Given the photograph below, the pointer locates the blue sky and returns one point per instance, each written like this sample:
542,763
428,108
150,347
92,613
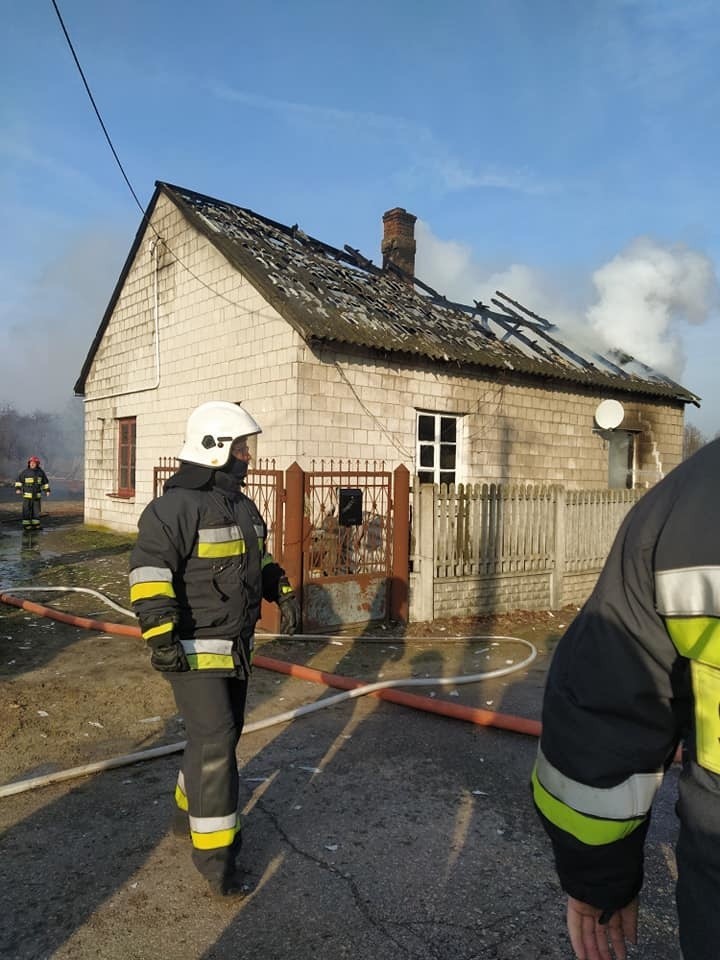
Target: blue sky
563,152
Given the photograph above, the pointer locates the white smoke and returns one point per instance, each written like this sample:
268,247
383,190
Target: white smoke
51,324
645,294
450,268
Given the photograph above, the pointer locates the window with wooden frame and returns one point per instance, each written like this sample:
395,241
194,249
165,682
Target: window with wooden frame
126,457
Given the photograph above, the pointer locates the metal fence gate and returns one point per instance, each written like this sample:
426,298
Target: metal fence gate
347,555
341,532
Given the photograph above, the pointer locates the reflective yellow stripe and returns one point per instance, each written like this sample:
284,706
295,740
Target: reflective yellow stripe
155,588
180,798
157,631
706,690
231,548
590,830
210,661
210,841
697,638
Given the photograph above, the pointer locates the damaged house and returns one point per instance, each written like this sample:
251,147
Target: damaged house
339,358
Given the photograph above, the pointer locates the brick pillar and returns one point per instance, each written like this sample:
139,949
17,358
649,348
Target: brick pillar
398,244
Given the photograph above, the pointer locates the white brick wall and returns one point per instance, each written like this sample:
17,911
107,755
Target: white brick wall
512,432
210,349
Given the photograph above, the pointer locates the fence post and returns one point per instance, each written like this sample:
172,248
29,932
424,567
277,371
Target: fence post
294,526
400,545
558,574
424,582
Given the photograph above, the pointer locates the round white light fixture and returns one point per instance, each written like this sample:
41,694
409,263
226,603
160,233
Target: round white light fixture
609,414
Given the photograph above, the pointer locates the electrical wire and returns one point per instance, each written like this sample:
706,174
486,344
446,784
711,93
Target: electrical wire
401,450
125,177
243,310
95,108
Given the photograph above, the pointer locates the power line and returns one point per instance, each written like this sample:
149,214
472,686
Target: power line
394,444
94,106
125,177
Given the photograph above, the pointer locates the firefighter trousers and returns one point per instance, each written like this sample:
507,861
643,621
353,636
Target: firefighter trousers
31,512
698,864
213,708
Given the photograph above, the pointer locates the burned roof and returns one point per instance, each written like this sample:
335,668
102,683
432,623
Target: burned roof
339,296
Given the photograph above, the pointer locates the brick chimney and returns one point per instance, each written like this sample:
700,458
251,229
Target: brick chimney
398,243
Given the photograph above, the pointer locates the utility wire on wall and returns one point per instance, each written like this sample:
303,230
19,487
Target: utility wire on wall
400,449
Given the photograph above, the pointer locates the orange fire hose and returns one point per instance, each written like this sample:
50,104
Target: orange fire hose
487,718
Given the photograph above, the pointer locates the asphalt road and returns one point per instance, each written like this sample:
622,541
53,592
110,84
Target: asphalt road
371,831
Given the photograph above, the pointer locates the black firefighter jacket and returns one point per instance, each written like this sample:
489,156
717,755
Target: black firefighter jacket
32,482
637,672
199,570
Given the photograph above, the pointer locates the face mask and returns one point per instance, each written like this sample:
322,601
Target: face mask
236,468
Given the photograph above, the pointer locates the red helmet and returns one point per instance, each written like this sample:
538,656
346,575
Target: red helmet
34,460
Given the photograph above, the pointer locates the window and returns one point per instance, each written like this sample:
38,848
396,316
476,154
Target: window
621,460
126,457
437,448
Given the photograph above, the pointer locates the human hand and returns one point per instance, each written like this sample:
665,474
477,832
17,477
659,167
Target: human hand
290,612
289,615
592,940
169,658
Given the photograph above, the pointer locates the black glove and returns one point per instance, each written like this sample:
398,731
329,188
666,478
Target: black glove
289,608
169,657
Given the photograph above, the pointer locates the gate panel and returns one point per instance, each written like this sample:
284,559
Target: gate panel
265,487
347,555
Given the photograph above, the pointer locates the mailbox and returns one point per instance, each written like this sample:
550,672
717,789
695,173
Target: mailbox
350,511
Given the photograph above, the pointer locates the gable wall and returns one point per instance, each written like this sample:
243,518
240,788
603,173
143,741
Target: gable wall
512,432
235,349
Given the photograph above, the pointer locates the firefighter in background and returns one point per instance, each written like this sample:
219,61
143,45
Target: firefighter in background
637,673
32,483
198,573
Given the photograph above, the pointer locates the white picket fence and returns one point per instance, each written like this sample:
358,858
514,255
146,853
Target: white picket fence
507,532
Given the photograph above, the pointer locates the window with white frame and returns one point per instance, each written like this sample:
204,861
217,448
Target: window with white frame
437,448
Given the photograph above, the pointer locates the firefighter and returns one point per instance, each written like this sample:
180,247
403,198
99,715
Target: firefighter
198,573
637,673
32,483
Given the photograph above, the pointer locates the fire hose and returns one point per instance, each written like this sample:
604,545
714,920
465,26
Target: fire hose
352,689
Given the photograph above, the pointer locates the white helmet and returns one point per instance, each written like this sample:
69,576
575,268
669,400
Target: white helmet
211,429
